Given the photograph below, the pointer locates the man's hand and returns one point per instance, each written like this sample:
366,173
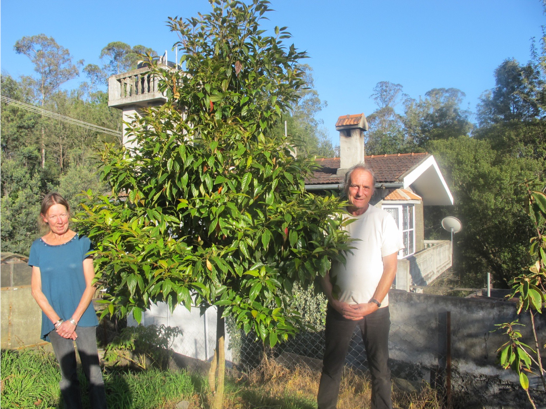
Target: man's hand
353,312
356,312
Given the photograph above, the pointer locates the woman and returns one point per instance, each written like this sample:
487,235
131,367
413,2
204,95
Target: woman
62,276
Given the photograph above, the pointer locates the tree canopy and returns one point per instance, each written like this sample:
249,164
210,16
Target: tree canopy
209,207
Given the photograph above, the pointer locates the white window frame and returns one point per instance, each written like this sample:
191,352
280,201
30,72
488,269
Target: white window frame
399,207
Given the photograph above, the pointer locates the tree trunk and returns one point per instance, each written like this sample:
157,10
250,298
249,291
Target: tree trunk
218,366
42,141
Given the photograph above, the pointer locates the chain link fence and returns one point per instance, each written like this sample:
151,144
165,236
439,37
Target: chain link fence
448,343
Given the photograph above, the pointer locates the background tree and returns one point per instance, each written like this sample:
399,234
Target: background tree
511,115
304,130
437,116
70,168
121,57
53,65
214,212
21,181
486,188
386,127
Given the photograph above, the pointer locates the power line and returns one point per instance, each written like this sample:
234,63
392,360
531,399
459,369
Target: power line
60,117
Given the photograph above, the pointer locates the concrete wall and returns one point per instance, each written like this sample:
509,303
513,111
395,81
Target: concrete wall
418,331
199,331
21,316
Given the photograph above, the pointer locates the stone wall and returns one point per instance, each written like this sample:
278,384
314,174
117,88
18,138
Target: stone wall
21,316
419,332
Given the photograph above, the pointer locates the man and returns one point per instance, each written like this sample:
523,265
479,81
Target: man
358,292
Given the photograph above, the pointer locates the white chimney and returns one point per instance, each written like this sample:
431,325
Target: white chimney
351,141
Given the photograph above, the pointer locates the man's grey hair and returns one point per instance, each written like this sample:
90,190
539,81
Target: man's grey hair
363,166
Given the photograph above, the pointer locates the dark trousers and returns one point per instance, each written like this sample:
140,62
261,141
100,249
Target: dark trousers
375,334
89,357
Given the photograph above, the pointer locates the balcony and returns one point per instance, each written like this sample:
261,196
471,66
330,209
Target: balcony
134,88
424,267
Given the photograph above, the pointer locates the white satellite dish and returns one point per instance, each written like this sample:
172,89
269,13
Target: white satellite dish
452,224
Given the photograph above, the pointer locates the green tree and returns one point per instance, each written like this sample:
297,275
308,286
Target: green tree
19,126
511,115
53,66
21,184
530,291
122,57
207,209
513,97
386,127
485,185
303,129
437,116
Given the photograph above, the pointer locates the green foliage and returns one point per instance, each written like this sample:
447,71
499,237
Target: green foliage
122,57
515,354
147,343
70,166
529,288
206,210
514,96
304,131
437,116
312,305
386,134
488,198
20,204
52,63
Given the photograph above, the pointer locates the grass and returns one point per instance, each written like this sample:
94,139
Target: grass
30,380
272,386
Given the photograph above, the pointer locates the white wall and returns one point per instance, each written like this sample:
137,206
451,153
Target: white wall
199,331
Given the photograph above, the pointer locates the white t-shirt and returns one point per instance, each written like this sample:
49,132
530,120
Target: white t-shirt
377,236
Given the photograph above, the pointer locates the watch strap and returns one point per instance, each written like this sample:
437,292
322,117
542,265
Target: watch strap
376,302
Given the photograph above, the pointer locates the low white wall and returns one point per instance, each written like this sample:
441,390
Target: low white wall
199,331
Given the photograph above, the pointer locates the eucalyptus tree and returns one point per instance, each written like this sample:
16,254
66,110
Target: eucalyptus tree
386,127
53,65
436,116
205,209
303,129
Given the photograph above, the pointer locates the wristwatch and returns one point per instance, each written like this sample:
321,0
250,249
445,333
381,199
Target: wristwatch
376,302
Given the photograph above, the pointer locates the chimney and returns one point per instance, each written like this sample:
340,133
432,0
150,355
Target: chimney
351,141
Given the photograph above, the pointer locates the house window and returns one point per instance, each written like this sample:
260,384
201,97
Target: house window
404,216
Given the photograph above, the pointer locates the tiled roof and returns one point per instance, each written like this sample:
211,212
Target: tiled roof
402,194
349,120
387,168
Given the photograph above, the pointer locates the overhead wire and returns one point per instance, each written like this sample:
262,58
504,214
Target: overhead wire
60,117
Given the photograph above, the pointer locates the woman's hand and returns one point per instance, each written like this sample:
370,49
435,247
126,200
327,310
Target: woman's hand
67,330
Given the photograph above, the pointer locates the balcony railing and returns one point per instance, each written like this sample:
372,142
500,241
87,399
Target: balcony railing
425,266
138,87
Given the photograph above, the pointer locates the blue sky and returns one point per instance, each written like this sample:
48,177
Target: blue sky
352,44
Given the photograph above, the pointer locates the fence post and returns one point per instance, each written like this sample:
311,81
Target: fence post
448,359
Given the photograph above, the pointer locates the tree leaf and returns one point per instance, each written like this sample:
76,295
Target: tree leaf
524,381
246,181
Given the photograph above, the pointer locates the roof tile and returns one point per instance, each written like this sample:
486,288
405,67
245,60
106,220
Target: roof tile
402,194
349,120
387,168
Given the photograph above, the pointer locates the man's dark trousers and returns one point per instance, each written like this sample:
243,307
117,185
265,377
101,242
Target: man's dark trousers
375,334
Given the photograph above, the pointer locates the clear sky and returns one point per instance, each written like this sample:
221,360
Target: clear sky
352,44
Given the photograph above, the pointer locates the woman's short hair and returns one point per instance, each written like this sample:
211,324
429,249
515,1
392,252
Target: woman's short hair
51,199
